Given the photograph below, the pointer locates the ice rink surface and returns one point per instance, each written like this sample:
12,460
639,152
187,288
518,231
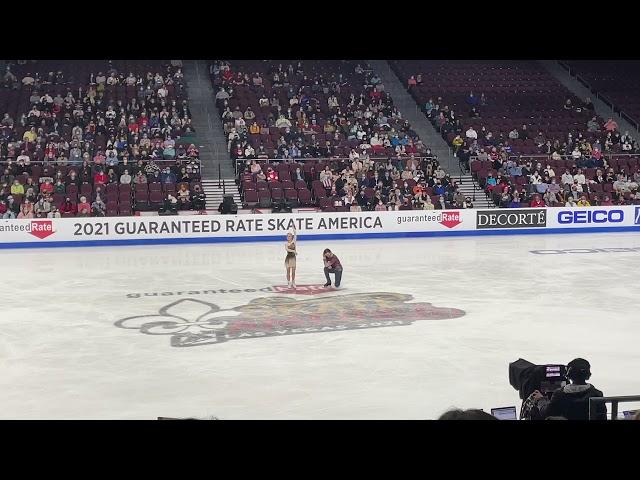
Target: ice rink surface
419,326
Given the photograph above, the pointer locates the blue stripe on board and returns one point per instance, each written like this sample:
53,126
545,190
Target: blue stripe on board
330,236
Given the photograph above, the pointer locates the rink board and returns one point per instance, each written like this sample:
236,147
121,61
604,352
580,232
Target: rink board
113,231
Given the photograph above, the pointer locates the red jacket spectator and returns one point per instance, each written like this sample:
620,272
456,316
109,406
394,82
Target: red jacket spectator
537,202
84,206
272,175
68,207
143,120
51,150
100,178
46,187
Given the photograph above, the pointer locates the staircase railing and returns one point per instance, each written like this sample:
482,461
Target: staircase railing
221,183
418,157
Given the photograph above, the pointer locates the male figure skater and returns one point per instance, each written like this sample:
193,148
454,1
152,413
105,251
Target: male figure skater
331,265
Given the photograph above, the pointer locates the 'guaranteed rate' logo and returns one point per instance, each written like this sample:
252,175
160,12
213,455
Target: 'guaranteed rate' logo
191,322
41,228
450,219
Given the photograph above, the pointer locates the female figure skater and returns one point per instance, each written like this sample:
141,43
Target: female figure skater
290,259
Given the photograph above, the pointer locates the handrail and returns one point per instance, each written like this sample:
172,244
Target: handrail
567,67
54,163
630,120
319,159
600,96
593,401
607,156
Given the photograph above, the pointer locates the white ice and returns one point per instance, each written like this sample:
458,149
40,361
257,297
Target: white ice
61,356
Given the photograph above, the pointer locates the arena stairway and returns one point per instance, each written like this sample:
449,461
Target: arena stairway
411,111
215,190
470,188
217,166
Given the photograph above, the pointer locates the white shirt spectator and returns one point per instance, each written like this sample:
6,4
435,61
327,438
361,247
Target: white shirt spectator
580,178
240,124
472,134
567,178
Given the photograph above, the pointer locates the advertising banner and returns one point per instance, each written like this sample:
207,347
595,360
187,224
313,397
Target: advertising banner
311,225
231,227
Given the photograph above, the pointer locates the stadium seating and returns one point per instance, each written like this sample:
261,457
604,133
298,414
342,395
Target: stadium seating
307,115
60,117
616,82
508,95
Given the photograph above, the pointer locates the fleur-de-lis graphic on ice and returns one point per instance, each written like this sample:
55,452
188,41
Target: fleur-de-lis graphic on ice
186,318
192,322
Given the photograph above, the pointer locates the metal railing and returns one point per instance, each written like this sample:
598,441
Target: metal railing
384,159
221,182
615,401
542,156
69,165
600,96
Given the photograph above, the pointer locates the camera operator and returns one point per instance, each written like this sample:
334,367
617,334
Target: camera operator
571,401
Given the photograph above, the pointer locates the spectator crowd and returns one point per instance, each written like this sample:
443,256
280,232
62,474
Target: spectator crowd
340,142
90,139
522,148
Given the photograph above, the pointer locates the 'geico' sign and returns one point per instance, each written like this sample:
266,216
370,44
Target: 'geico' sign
590,216
516,218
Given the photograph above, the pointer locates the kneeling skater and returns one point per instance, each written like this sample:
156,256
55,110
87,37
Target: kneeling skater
331,265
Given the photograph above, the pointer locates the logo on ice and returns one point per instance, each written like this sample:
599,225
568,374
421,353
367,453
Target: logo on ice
450,219
189,322
41,228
